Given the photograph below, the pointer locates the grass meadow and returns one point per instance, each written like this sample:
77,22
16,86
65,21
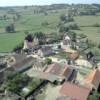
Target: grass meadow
33,23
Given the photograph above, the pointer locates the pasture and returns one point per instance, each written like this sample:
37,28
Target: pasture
33,23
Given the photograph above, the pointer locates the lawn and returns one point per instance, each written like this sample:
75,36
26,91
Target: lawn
87,20
9,41
93,33
86,27
31,23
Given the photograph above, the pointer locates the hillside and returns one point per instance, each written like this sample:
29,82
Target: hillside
31,19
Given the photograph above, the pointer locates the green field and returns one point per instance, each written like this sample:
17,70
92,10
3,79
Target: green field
93,33
32,22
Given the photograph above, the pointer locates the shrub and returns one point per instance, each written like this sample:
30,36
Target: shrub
45,23
96,25
18,48
10,28
48,61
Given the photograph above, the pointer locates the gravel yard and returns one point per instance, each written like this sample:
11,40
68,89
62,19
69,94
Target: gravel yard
50,93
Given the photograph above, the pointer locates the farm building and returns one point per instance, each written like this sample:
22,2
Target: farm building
66,42
45,51
57,72
92,80
14,58
74,92
19,62
31,45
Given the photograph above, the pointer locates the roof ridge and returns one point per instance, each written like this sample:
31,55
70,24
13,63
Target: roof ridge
91,76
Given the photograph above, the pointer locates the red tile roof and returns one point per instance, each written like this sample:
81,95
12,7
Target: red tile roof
93,79
67,71
57,69
74,91
54,68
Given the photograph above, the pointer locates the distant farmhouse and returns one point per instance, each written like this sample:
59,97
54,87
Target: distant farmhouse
66,42
31,45
45,51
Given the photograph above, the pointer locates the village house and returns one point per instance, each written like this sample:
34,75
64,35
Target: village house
59,73
19,62
45,51
31,45
72,91
92,80
14,58
66,42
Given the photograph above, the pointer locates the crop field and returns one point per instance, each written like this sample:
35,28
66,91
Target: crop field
33,23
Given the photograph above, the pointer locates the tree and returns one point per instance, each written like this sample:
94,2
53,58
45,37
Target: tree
41,37
59,46
74,37
66,18
18,48
12,86
45,23
91,44
63,29
63,17
10,28
16,82
29,38
73,26
8,75
99,45
96,25
94,96
48,61
87,12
